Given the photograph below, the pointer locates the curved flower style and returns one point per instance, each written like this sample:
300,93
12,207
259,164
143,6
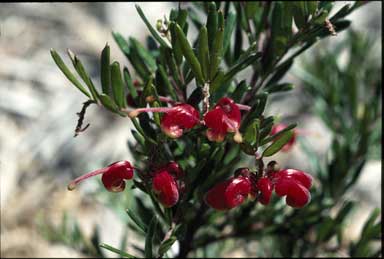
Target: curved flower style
223,118
279,127
228,194
113,176
175,119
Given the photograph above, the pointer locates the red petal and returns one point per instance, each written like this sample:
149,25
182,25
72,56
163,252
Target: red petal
231,109
265,187
304,178
113,178
215,196
182,116
165,186
228,194
298,196
237,191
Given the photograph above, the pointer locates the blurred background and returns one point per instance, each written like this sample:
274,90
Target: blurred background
39,155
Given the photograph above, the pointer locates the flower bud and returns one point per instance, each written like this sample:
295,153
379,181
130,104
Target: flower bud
228,194
165,188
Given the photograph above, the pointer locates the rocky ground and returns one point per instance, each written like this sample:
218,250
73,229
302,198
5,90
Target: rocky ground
38,154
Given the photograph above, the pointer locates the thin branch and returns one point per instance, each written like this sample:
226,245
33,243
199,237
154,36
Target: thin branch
81,115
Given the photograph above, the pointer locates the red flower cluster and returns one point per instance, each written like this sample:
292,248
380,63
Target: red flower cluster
292,183
225,117
166,181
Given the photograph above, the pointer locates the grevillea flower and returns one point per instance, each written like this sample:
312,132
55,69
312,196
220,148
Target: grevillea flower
228,194
165,187
175,120
113,176
223,118
265,187
279,127
295,185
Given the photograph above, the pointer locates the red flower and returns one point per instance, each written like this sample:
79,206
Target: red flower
223,118
295,185
165,187
113,176
175,119
228,194
265,187
279,127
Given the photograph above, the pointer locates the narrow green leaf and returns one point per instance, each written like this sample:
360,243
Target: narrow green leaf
211,23
278,134
143,53
151,29
217,48
239,91
149,238
117,251
60,63
137,220
83,74
228,30
279,88
108,103
128,81
118,85
252,132
105,70
203,51
176,48
278,144
168,85
189,55
236,68
166,245
121,42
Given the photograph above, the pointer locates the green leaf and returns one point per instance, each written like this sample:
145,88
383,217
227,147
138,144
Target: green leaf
121,42
279,88
83,74
118,85
203,51
278,144
239,66
150,237
137,220
189,55
216,52
110,104
211,23
278,134
144,54
166,245
167,83
230,24
59,62
370,222
299,13
252,132
105,70
240,89
176,48
117,251
151,29
128,82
